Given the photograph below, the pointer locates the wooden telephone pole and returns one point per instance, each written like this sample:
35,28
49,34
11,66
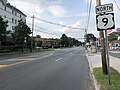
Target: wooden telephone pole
102,47
32,33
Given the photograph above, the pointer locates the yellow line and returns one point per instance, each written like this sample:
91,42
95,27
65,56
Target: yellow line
26,58
17,63
4,66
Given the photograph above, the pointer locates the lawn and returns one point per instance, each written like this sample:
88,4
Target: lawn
103,79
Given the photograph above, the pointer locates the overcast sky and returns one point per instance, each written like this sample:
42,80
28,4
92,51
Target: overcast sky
67,12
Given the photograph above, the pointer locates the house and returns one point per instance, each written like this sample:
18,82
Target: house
11,14
45,42
115,44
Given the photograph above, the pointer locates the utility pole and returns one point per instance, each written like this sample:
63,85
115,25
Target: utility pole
85,35
33,17
103,48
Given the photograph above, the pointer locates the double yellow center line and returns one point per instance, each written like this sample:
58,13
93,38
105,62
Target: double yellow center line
21,60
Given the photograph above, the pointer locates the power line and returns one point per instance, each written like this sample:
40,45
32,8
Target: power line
57,24
49,22
117,5
48,31
89,14
88,18
45,32
87,6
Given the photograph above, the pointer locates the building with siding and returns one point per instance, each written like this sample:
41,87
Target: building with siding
46,42
11,14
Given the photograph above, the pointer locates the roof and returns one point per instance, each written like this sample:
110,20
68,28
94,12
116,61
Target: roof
12,7
115,31
44,39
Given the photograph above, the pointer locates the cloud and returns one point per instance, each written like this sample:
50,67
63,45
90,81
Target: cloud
75,33
58,10
34,5
47,9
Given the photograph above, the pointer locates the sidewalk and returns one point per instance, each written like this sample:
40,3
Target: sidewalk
95,61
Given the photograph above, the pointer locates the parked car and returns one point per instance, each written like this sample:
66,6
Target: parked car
114,47
45,47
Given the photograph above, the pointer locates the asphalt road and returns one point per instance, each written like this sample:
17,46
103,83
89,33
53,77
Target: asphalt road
61,69
115,54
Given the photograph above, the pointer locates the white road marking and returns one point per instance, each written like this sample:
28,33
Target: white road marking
58,60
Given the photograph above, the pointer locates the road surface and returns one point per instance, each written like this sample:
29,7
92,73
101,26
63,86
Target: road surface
115,54
60,69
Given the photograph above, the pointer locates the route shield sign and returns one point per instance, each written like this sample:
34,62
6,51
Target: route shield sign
105,21
105,17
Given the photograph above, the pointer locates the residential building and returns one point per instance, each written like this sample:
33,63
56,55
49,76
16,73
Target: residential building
115,44
11,14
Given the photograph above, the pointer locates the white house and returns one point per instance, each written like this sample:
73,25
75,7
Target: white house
11,14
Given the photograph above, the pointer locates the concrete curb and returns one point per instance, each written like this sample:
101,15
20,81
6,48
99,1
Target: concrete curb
96,85
95,61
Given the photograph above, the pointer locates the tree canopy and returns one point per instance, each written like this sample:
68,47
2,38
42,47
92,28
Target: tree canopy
90,37
112,37
21,33
64,41
3,31
68,41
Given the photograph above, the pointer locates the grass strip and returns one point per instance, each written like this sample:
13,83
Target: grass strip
103,79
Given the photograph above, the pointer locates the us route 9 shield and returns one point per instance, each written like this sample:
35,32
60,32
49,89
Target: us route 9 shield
105,21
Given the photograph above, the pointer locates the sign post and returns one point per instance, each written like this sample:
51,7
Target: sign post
104,22
108,60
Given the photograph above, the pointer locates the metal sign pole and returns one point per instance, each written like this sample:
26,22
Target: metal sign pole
108,60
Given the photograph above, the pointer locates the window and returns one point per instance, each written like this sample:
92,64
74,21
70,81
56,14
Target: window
20,16
4,16
15,21
12,12
13,28
15,13
12,19
5,8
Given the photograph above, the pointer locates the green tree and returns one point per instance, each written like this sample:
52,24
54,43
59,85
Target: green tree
64,41
21,34
71,41
38,36
3,31
90,37
112,37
